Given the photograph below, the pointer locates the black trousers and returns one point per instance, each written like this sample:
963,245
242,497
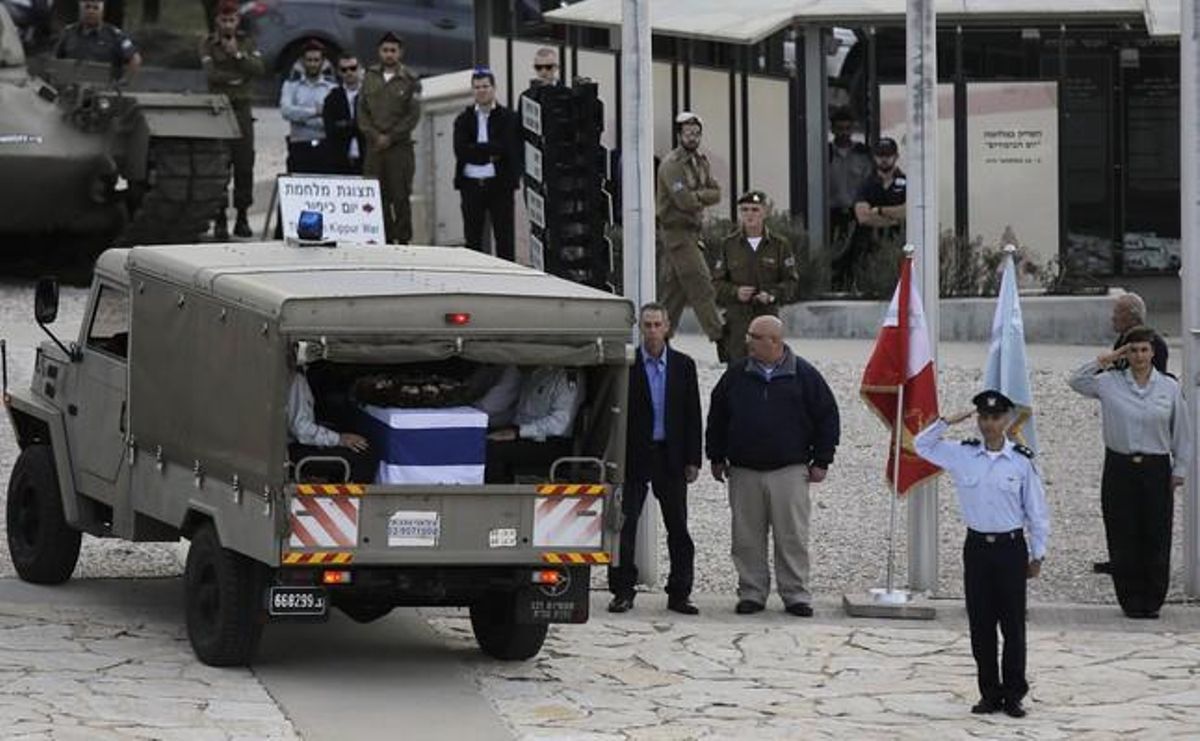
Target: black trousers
670,489
1138,506
483,199
307,157
994,574
511,458
363,466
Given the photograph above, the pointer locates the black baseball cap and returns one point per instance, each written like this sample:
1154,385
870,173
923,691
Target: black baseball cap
885,146
992,402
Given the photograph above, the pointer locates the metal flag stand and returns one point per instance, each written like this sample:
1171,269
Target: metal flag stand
889,602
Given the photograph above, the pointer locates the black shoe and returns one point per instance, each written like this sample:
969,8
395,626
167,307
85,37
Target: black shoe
220,229
799,609
1013,709
683,606
620,604
1102,567
241,227
987,707
748,607
1142,614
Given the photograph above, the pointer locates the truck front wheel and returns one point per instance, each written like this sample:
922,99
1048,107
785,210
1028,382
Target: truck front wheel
493,619
44,548
221,593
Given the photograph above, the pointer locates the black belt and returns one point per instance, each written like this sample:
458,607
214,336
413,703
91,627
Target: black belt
1138,458
1011,535
658,444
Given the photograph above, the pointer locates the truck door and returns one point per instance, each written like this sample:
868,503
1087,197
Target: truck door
96,408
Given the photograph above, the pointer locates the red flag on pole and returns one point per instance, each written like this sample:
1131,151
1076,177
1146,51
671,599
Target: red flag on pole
900,382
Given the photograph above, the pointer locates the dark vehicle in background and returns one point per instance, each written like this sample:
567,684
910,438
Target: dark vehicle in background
438,34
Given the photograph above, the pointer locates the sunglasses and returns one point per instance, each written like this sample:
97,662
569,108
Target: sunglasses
545,66
350,68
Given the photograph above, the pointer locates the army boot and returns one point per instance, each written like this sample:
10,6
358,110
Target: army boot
241,228
220,227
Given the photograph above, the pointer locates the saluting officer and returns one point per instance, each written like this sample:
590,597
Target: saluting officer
685,187
389,108
754,272
93,40
232,61
1001,496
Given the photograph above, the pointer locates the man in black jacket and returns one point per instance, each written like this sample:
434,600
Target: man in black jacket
343,138
487,152
662,449
773,427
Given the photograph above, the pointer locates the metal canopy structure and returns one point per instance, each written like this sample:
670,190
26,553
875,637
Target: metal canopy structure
751,21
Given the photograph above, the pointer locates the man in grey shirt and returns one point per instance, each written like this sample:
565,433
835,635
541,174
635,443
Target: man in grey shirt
1148,449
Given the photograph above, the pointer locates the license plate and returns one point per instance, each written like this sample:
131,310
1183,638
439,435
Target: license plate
292,601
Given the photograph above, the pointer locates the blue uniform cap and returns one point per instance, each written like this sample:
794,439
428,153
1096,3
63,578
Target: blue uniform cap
992,402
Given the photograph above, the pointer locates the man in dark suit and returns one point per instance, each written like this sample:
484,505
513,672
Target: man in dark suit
487,169
662,450
342,135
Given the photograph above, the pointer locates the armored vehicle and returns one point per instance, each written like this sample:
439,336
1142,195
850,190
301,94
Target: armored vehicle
82,156
169,417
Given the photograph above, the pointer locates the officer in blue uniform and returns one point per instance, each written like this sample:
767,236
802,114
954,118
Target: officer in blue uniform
1002,500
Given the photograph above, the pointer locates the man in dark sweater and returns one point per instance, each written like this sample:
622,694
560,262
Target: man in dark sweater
773,427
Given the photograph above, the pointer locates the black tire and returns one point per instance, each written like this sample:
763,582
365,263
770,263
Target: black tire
187,187
364,612
498,633
221,598
44,548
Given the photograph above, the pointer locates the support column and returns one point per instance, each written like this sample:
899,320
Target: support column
814,140
922,225
637,207
1189,125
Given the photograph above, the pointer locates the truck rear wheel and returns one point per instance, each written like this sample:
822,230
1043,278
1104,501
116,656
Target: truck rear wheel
44,548
499,635
221,599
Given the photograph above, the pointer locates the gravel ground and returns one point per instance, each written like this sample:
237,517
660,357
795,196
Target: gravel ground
850,513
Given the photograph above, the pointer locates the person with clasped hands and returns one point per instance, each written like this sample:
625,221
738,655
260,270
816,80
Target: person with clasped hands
1148,449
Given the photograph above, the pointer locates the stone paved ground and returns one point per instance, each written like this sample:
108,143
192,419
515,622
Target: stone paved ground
652,675
69,676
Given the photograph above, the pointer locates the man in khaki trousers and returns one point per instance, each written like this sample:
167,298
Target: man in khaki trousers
773,427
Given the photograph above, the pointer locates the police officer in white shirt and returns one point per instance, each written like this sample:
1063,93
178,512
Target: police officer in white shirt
1001,497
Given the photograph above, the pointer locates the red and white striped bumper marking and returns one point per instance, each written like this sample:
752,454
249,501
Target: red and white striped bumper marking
568,521
324,522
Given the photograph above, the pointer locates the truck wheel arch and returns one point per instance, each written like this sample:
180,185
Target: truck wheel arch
38,425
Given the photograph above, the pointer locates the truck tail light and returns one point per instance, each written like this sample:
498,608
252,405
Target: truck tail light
547,576
458,318
336,576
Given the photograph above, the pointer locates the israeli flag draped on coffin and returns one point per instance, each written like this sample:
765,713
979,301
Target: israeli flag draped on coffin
429,446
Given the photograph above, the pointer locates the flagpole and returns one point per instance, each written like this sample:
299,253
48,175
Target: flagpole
891,559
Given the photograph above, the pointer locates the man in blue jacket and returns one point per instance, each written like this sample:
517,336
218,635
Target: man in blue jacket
773,427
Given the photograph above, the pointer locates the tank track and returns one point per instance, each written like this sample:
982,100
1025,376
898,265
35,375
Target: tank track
187,187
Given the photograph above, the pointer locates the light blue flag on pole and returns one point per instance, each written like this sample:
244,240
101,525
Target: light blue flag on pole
1007,370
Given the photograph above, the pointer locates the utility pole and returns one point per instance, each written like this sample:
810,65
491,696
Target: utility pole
637,206
920,43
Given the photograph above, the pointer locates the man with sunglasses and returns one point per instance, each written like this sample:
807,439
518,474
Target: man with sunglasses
545,67
231,61
342,135
93,40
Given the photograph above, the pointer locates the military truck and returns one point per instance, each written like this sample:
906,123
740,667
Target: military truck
166,418
82,156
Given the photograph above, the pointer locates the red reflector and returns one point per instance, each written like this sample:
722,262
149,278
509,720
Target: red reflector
330,576
458,318
547,576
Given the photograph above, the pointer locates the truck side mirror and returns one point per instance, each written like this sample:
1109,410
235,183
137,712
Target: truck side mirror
45,301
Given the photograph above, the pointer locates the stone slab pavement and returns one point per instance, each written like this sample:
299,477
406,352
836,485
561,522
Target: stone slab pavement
108,659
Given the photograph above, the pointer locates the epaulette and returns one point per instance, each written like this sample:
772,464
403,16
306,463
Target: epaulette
1024,451
972,441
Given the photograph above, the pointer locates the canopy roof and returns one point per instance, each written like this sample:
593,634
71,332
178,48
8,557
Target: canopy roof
751,21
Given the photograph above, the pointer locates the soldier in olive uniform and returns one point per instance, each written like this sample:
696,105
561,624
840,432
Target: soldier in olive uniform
685,188
232,61
754,272
93,40
389,108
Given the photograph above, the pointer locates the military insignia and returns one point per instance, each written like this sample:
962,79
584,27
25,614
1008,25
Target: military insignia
901,182
1024,451
972,441
677,186
789,261
719,264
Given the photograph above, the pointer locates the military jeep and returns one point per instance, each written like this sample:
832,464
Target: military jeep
167,418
